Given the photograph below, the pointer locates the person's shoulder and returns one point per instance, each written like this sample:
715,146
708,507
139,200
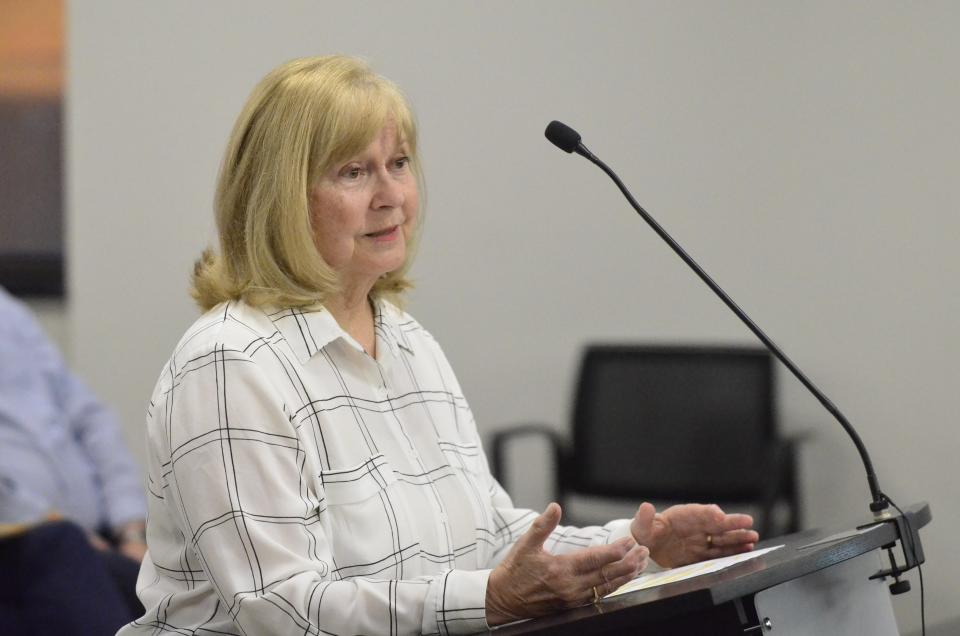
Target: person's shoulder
228,327
13,310
7,301
18,324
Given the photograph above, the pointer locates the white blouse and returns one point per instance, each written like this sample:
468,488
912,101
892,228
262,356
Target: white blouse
299,486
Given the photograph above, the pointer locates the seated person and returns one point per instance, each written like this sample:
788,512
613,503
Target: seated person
71,501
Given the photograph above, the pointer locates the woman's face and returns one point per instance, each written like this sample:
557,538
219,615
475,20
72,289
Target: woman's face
364,211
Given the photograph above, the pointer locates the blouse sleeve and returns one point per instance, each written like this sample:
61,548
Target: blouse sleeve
511,522
239,489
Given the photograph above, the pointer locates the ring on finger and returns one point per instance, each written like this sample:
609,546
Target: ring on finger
596,595
709,541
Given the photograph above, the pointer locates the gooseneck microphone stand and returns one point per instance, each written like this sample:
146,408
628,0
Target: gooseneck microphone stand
568,140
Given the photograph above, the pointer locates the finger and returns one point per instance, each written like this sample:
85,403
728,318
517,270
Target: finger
735,522
735,538
622,572
646,511
625,543
587,561
642,525
715,551
634,562
613,585
545,523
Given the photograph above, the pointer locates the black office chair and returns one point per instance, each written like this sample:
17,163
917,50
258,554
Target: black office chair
675,423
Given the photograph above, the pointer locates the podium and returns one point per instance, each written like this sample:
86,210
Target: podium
821,581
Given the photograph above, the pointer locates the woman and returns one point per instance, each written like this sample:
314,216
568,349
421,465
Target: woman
314,467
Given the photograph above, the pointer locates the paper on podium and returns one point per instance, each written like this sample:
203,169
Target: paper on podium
654,579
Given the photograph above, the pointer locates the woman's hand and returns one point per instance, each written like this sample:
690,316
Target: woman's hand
691,532
532,582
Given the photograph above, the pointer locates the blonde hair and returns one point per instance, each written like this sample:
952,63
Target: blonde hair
304,117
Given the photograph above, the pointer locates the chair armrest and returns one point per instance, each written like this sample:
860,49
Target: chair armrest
559,447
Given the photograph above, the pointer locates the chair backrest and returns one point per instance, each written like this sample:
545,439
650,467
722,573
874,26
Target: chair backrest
672,422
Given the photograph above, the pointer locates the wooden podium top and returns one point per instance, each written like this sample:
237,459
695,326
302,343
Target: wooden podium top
803,552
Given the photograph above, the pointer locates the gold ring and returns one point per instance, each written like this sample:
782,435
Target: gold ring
709,541
596,595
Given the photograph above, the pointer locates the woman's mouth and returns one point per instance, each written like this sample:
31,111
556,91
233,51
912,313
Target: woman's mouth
387,234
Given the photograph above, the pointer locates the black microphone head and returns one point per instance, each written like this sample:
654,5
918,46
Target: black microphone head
562,136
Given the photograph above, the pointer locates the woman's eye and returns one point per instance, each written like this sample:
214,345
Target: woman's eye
402,162
352,172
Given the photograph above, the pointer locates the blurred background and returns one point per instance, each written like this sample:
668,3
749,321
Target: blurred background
804,153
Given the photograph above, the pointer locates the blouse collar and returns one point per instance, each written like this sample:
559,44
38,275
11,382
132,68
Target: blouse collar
309,330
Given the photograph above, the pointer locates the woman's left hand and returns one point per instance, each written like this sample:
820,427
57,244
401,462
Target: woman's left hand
691,532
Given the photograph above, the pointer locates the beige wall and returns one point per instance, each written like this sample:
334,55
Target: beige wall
806,153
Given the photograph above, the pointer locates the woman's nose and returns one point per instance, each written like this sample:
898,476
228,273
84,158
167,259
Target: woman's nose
389,192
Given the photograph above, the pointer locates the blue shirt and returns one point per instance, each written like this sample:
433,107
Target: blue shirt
60,449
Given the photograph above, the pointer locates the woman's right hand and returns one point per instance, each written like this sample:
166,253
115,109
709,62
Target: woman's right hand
531,582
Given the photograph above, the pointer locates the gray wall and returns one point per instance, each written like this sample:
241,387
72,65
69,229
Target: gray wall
806,153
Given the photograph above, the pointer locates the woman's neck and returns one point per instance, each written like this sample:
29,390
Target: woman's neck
354,314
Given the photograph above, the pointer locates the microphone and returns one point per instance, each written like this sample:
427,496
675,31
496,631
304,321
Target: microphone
563,137
568,140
